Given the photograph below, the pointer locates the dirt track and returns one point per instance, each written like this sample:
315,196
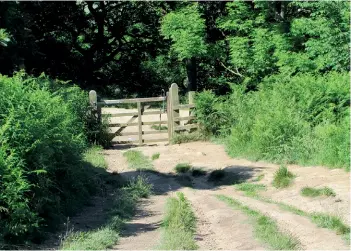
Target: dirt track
219,226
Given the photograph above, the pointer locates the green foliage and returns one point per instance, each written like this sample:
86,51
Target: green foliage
331,222
155,156
95,156
44,175
137,160
282,177
250,189
179,225
266,229
182,167
186,29
315,192
4,37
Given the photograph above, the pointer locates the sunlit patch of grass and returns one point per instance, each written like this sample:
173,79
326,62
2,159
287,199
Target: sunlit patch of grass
137,160
282,177
95,157
315,192
250,189
155,156
182,167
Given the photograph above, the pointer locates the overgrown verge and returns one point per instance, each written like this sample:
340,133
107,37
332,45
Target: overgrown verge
301,119
44,133
122,210
179,225
137,160
265,228
323,220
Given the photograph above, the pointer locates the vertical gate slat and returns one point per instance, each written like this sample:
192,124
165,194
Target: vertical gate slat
140,127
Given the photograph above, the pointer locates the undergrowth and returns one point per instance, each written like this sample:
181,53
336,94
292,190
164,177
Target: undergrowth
179,225
266,229
182,167
180,138
137,160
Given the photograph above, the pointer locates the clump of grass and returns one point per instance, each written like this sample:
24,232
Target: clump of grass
155,156
179,225
159,127
182,167
283,177
95,157
137,160
123,209
216,175
188,137
196,172
250,189
266,228
259,177
330,222
315,192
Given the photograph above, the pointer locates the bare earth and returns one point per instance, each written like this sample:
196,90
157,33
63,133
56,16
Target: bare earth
219,226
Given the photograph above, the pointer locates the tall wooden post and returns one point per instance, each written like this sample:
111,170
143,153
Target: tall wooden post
140,125
95,108
174,109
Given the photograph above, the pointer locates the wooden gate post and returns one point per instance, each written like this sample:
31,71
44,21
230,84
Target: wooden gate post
96,109
174,109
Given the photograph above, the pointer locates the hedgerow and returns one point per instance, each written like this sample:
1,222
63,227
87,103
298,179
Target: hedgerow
43,135
301,119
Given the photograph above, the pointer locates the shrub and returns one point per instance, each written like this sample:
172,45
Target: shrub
182,167
42,135
282,177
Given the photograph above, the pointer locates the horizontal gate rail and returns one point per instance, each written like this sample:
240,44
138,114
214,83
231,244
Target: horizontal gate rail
132,100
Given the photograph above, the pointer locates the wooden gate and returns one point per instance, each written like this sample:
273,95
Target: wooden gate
171,116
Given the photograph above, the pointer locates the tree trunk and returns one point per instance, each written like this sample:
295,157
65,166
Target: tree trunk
191,73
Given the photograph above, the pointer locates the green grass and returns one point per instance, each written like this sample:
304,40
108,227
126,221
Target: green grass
159,127
250,188
282,177
123,209
315,192
137,160
196,172
155,156
182,168
259,177
179,225
216,175
265,228
188,137
320,219
95,157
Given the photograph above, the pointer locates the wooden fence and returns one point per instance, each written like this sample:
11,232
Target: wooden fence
173,115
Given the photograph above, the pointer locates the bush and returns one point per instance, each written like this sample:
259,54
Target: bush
302,119
43,137
282,177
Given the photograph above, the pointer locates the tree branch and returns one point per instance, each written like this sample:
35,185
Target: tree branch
235,73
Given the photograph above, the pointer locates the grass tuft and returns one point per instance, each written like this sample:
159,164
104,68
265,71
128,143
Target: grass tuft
179,225
155,156
315,192
196,172
95,157
188,137
182,167
259,177
330,222
216,175
283,177
266,229
137,160
250,189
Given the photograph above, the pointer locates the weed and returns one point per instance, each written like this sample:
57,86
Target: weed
155,156
94,156
188,137
139,187
259,177
216,175
179,225
196,172
265,228
159,127
137,160
315,192
250,189
182,167
282,177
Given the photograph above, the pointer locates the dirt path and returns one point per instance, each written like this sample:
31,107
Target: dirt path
219,226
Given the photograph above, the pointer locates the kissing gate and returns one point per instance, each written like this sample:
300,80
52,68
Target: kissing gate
179,117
